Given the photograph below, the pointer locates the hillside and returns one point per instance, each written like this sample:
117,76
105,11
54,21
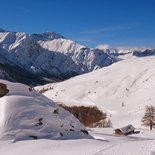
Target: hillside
26,115
121,90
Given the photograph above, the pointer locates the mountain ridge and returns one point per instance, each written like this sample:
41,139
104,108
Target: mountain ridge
51,55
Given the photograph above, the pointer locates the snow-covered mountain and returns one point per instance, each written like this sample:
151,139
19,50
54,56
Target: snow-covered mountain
121,90
144,53
24,51
26,114
50,54
47,36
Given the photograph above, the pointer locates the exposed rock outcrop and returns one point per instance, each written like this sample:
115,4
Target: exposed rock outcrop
3,89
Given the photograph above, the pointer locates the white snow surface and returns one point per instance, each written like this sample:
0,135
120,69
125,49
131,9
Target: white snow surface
27,115
105,143
61,45
122,90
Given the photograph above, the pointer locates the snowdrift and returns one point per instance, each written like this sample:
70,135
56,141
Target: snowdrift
25,114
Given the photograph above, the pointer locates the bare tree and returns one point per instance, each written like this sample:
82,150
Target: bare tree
149,117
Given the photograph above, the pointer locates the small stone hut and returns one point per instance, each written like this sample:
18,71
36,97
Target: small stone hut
125,130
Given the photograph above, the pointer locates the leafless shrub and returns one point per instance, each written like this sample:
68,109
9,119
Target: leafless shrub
89,116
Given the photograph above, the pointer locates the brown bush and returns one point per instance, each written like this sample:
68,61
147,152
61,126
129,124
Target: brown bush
89,116
43,90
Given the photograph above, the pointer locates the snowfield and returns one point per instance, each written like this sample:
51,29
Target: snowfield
105,144
122,90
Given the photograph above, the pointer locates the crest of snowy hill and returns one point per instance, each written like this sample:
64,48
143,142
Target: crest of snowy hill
122,90
50,54
26,114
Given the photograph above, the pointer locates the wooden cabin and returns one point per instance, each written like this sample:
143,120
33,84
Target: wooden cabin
125,130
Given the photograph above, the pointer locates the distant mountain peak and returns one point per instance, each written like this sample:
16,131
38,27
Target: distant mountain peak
53,34
47,36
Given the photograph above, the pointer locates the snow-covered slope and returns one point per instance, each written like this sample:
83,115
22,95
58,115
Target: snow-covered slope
26,114
121,90
105,144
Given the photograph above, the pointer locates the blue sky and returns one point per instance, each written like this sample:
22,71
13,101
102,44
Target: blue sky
90,22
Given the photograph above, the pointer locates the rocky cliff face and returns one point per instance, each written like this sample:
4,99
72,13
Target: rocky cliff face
3,89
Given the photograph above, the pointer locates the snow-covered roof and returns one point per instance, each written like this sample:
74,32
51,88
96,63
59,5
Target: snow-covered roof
127,129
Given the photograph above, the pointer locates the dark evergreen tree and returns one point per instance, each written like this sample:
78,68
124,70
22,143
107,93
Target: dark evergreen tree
149,117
